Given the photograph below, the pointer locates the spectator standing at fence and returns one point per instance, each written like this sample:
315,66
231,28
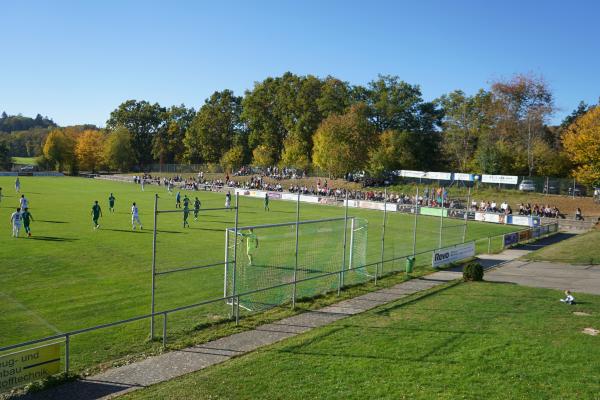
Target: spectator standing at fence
578,215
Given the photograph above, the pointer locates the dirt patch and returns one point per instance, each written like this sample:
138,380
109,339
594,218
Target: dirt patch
581,313
590,331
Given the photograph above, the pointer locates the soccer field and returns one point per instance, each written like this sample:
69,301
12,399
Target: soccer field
69,276
471,341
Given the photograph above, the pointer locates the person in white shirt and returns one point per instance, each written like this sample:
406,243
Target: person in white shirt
15,220
569,299
23,202
494,206
135,218
504,206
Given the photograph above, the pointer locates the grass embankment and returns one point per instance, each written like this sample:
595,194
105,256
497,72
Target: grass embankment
24,160
471,341
581,249
68,276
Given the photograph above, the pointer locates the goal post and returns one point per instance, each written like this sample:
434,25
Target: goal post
265,268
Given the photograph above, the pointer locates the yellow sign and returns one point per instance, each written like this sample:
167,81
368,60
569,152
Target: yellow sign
18,369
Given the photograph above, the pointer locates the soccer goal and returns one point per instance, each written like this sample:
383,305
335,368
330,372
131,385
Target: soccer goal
262,262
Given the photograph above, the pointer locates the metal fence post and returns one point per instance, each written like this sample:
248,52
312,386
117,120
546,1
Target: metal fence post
415,223
382,235
153,266
67,353
441,239
235,241
164,334
464,238
237,310
296,255
341,279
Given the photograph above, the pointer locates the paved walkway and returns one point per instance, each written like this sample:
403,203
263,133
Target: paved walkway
152,370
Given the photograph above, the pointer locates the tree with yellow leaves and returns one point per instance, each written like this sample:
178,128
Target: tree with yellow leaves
89,150
581,141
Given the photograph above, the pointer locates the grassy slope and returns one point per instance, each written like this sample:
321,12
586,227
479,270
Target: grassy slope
69,276
581,249
24,160
472,341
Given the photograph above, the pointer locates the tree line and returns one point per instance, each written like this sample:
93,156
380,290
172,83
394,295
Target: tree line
307,122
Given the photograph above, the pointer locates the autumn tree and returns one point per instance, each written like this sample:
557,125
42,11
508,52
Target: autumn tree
234,158
89,150
581,141
263,156
524,103
342,142
59,149
118,151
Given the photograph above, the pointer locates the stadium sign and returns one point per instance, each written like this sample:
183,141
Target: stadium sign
452,254
23,367
503,179
442,176
412,174
510,239
463,177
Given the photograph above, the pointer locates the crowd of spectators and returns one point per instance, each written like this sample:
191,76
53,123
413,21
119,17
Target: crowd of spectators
432,197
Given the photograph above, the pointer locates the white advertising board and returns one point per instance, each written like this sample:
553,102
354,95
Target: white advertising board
504,179
444,176
412,174
464,177
520,220
452,254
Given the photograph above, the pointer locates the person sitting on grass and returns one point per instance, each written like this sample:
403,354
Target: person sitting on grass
569,299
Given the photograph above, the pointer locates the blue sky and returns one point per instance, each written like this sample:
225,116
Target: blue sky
77,61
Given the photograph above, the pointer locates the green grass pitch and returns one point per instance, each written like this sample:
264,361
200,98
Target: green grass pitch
68,276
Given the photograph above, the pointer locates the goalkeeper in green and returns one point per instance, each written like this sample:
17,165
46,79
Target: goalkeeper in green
251,244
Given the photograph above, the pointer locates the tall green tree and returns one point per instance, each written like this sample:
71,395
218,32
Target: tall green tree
342,142
168,145
466,118
144,121
215,128
395,104
59,149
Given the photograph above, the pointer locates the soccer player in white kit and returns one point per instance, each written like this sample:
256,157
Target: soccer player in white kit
15,219
23,202
135,218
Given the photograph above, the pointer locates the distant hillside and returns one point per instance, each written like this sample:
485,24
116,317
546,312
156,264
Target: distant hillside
12,123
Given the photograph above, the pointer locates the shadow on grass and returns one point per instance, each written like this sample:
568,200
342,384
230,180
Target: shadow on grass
207,229
52,239
51,222
140,231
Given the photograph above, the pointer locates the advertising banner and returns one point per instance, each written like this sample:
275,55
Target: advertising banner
463,177
309,199
536,232
275,195
370,205
503,179
434,211
442,176
524,235
412,174
452,254
510,239
391,207
519,220
23,367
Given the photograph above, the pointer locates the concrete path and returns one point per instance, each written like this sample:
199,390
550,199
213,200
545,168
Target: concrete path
577,278
117,381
